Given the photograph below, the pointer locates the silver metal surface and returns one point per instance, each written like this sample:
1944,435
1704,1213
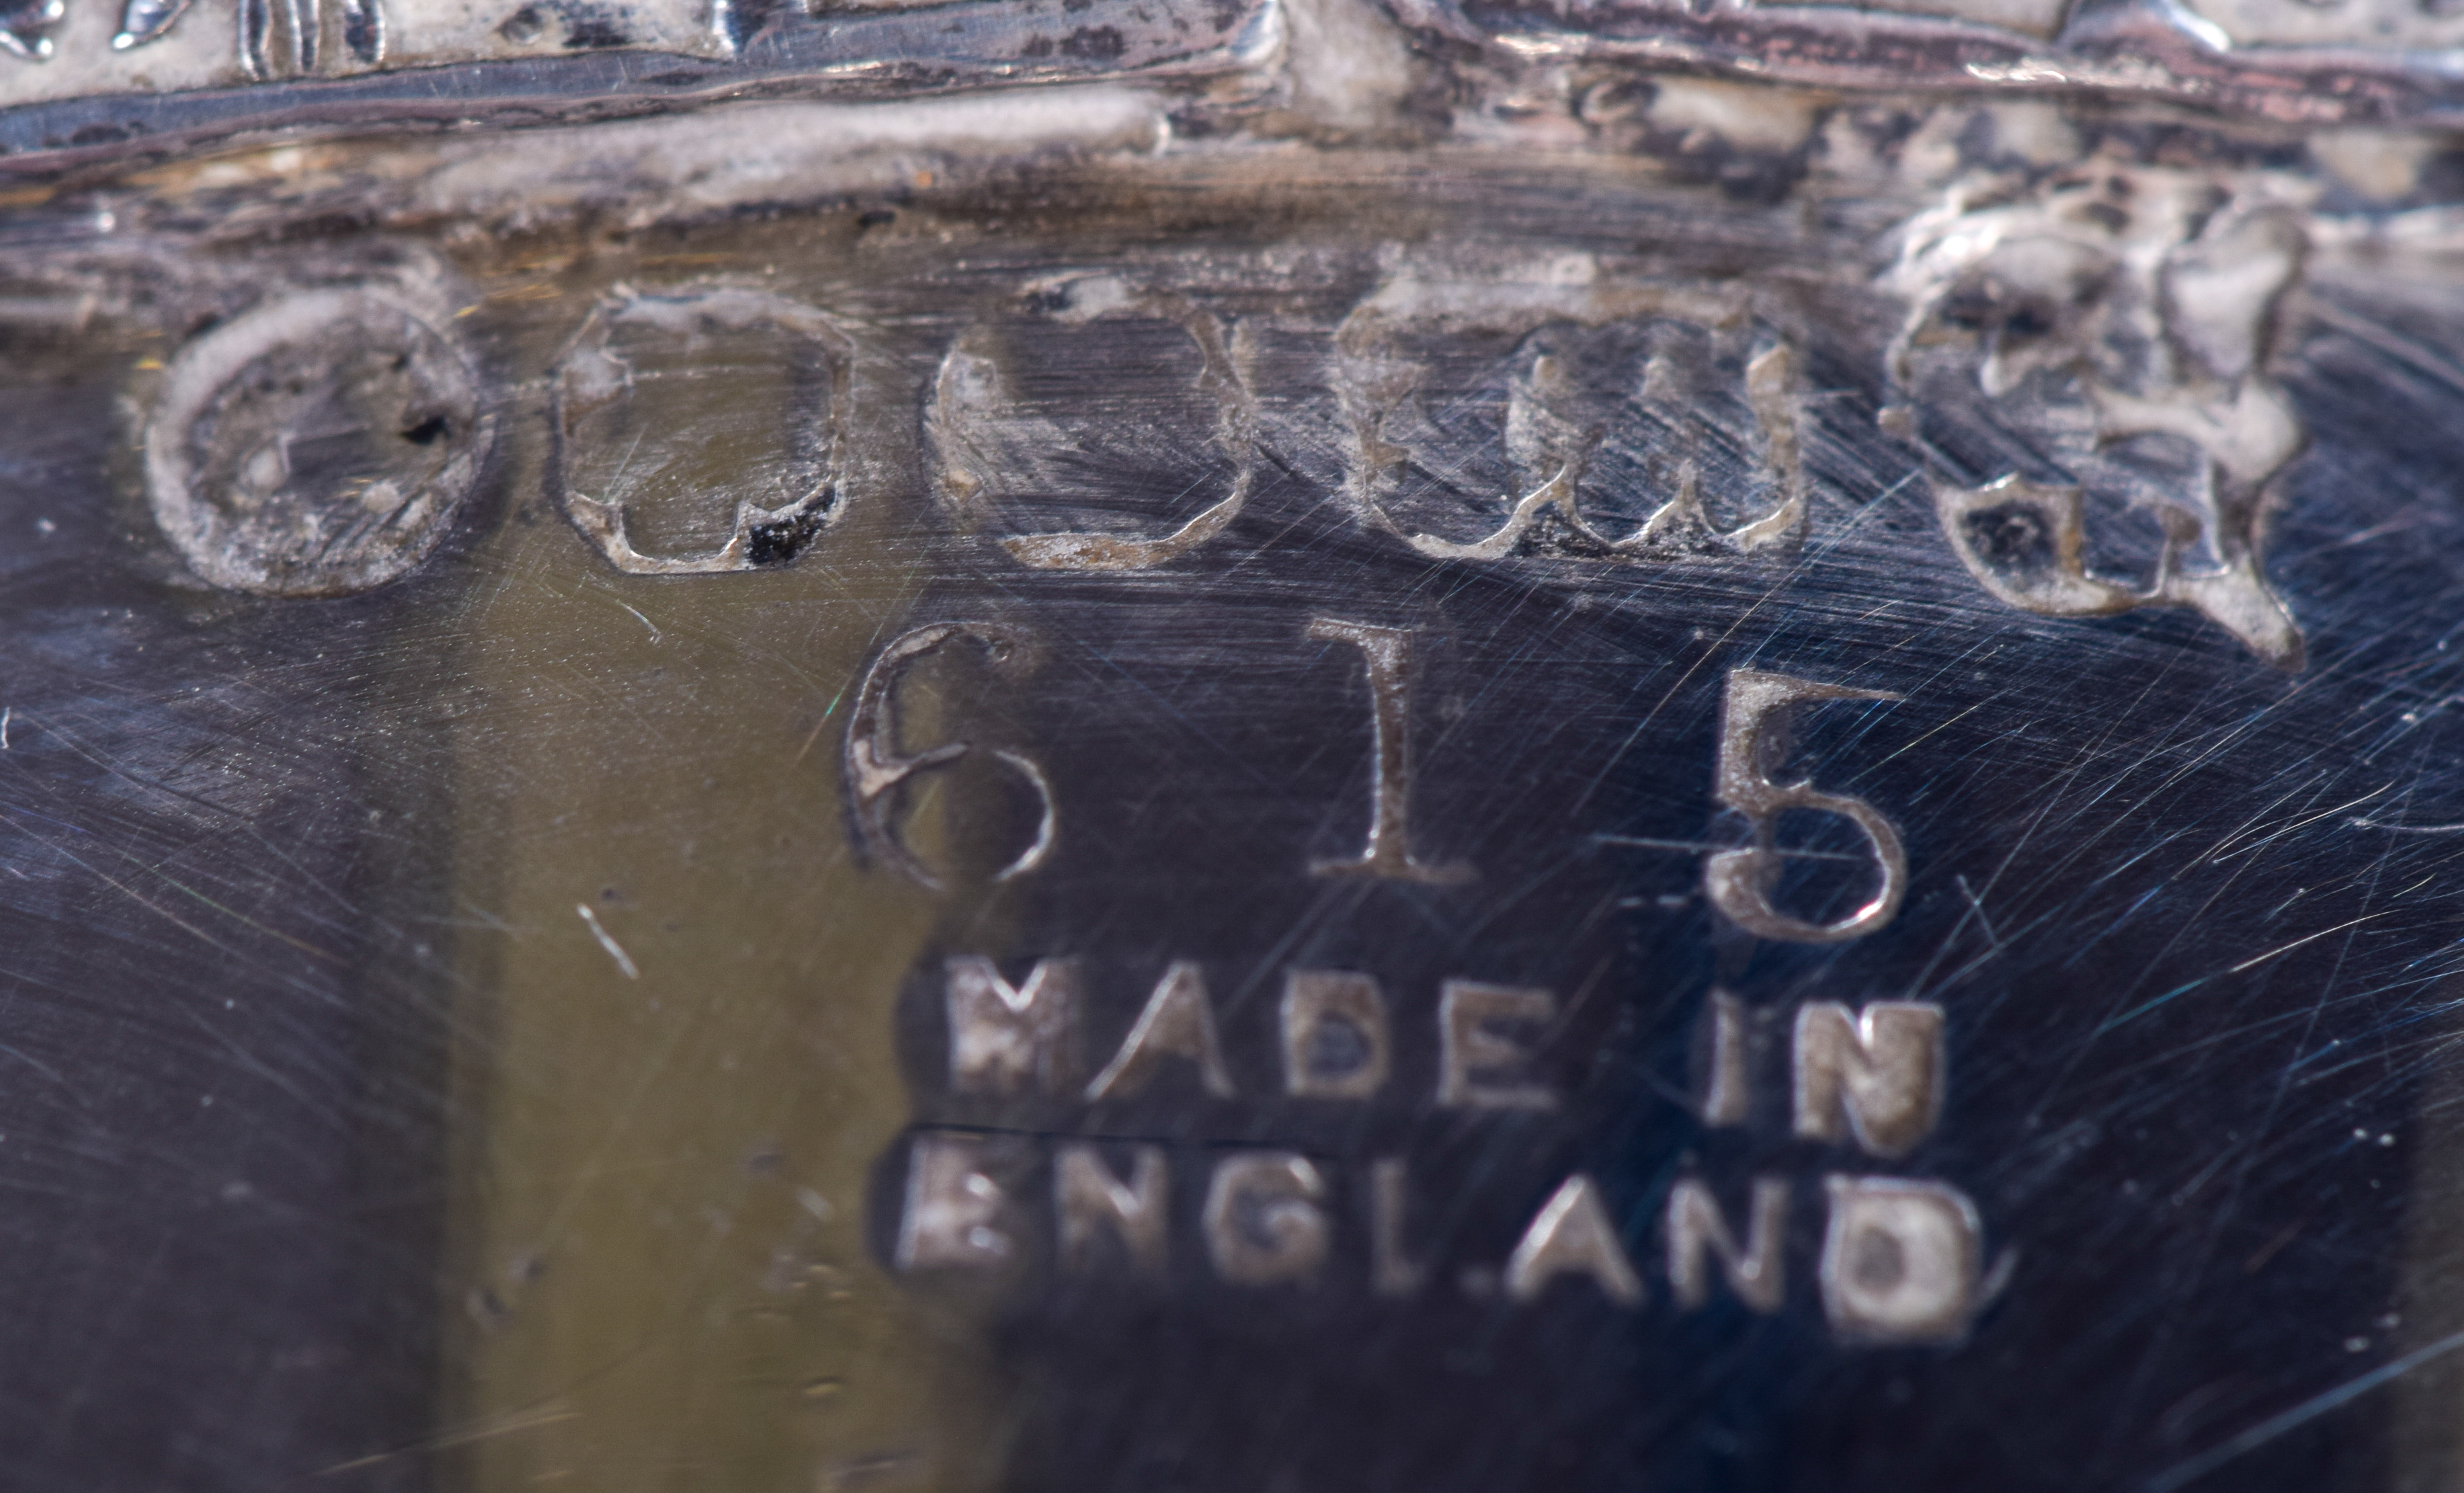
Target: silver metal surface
1250,747
172,81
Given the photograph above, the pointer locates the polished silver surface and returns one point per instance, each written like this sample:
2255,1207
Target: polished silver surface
1316,749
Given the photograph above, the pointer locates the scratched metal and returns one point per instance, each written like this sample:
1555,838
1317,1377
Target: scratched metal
113,88
89,83
2340,63
1052,791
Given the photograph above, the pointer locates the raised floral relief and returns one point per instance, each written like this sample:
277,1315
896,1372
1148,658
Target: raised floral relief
2117,323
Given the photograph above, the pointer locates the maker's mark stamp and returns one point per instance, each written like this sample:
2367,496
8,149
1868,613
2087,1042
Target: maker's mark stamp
315,445
1004,434
2119,320
1605,419
655,391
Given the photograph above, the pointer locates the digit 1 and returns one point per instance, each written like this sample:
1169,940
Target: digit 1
1386,654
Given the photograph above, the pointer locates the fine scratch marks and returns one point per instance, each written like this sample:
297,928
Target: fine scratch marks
2261,959
655,633
2144,1007
1978,903
1705,847
2298,823
39,1067
2407,829
615,950
6,712
1795,572
2181,1474
828,711
550,1414
61,849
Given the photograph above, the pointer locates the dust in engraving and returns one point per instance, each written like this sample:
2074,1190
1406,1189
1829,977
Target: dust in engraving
281,40
877,766
140,21
1901,1260
952,1218
1727,1092
1753,719
1610,388
976,432
1179,1021
1386,653
277,38
654,389
23,24
2119,322
2422,26
1391,1270
1875,1077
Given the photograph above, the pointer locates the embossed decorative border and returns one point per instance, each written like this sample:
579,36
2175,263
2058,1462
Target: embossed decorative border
2144,48
848,55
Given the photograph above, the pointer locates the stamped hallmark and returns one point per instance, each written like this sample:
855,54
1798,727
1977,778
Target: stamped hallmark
316,446
2121,319
2113,327
1608,395
986,439
736,370
1901,1258
877,766
1386,657
1753,719
179,42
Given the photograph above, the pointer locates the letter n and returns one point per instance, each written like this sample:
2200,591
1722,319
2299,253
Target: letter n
1696,1228
1877,1075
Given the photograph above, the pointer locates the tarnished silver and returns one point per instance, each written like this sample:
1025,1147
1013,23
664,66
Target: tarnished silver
1271,745
316,446
2356,63
177,77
